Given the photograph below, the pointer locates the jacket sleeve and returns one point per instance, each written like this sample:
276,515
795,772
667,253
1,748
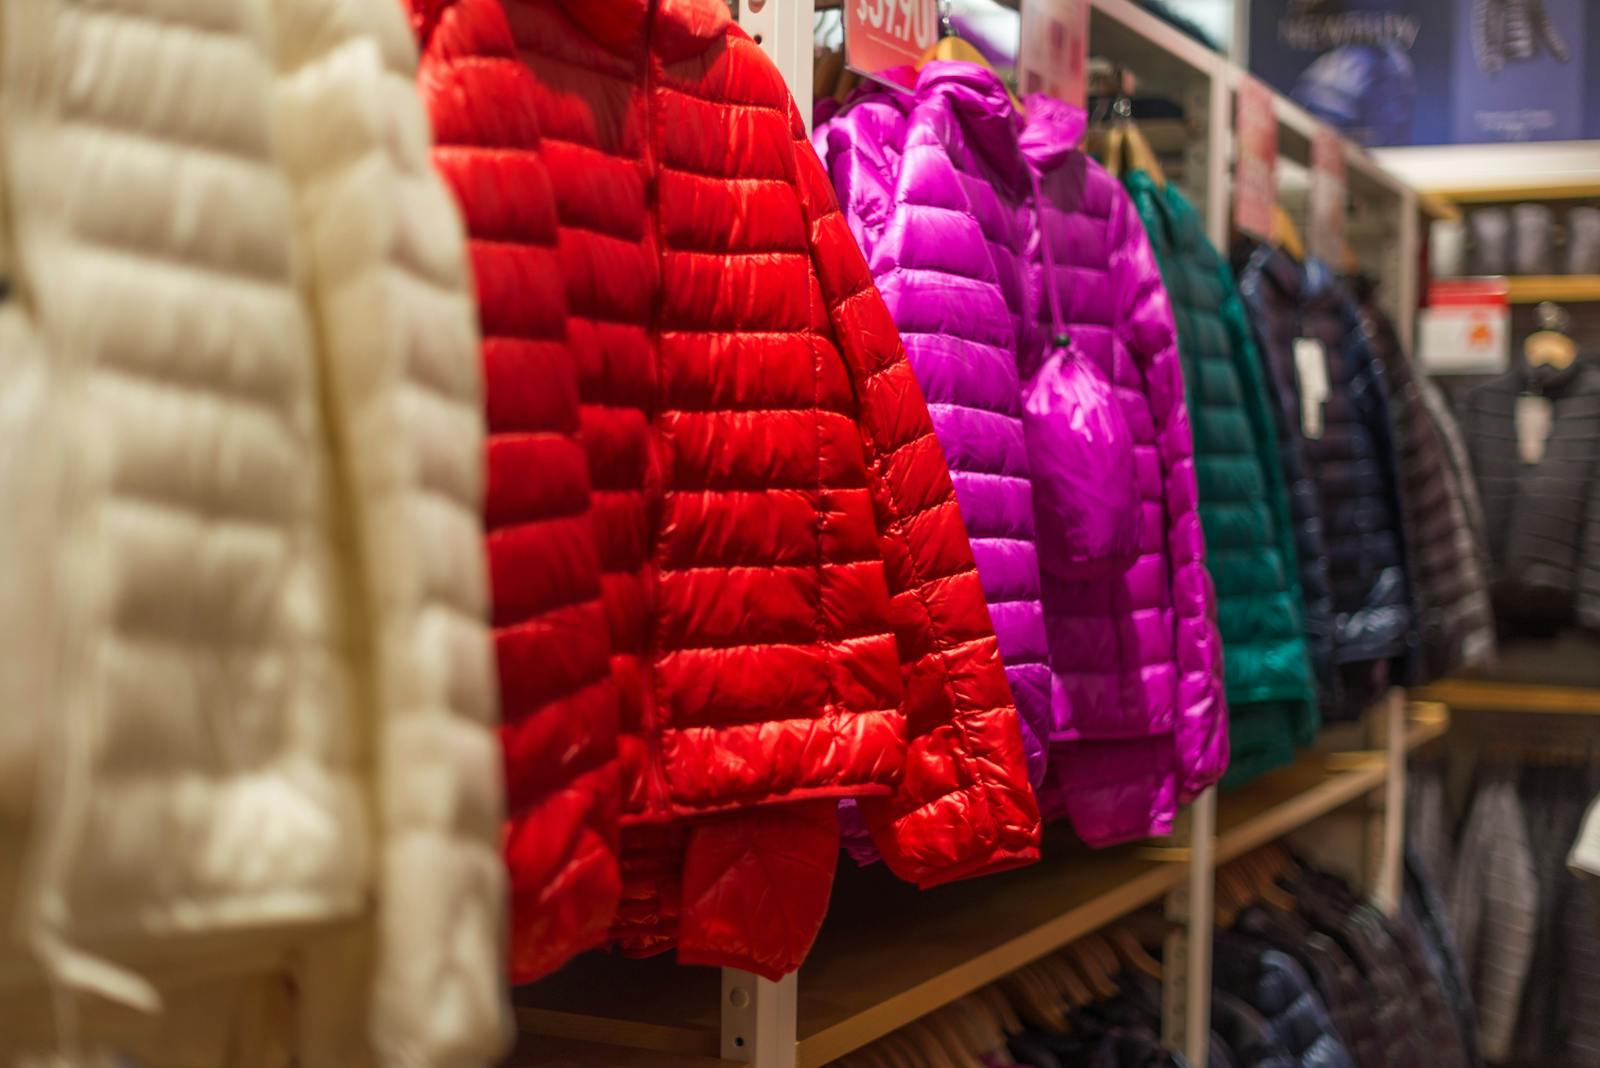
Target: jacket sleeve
386,271
1264,432
964,806
863,177
1146,318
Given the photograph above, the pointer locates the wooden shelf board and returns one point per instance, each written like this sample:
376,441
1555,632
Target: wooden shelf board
1532,288
1500,193
1473,695
542,1052
1284,800
863,978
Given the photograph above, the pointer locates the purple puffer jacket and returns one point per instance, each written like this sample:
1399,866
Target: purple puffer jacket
948,251
1138,653
938,188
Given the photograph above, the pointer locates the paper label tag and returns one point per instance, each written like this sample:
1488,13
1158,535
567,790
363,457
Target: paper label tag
1533,417
1311,365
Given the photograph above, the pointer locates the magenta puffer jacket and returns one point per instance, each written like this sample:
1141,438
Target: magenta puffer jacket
946,239
1138,653
940,189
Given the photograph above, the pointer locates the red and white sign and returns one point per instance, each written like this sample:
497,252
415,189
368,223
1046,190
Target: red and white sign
1325,237
1466,327
886,39
1255,168
1054,54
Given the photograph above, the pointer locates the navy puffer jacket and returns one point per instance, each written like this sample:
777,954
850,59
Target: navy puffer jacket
1274,985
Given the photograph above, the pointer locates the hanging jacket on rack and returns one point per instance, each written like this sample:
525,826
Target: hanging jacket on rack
1351,457
1335,976
1131,648
1270,982
945,234
1249,536
1268,287
1139,649
266,762
793,611
1544,517
1456,627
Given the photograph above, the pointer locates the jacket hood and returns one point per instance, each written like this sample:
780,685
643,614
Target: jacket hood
980,102
1053,131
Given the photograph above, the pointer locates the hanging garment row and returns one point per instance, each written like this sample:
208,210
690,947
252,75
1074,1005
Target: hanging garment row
1305,975
760,502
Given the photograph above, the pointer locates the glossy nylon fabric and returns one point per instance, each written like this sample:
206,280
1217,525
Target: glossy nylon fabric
946,237
1269,286
1355,509
1243,507
791,605
1455,623
941,179
1137,652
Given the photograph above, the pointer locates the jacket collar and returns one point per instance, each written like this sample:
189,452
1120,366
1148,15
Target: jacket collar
1053,132
1549,381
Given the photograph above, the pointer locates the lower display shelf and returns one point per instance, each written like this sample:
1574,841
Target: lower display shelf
890,954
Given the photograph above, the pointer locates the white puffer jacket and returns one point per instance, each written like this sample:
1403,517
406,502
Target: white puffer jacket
256,776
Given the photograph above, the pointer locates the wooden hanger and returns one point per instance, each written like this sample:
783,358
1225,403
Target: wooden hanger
825,73
1065,981
1141,156
1551,345
1098,963
1285,234
931,1045
1264,882
953,47
1004,1011
1132,951
1037,1004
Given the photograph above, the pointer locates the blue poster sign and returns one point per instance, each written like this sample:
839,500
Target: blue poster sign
1428,72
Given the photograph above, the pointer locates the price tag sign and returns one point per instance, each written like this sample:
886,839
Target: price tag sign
886,39
1533,416
1326,237
1466,327
1054,54
1311,367
1255,167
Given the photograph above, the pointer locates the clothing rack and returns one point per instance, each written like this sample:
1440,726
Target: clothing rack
875,969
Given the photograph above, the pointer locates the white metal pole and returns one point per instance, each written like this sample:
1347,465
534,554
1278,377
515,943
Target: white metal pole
783,29
1386,823
1186,960
1407,284
758,1019
1219,159
758,1015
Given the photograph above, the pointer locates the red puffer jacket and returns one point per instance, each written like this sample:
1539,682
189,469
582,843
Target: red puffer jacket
790,601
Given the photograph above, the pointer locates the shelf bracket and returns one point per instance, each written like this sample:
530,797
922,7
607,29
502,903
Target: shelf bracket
1186,971
758,1019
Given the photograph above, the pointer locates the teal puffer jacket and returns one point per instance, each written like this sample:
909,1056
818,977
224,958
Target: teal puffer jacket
1243,505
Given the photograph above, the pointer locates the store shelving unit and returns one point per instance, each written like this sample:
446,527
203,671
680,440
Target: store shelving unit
889,954
865,977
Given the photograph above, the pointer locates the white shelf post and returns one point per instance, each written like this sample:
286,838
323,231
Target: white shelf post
758,1019
1186,967
1386,821
783,29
